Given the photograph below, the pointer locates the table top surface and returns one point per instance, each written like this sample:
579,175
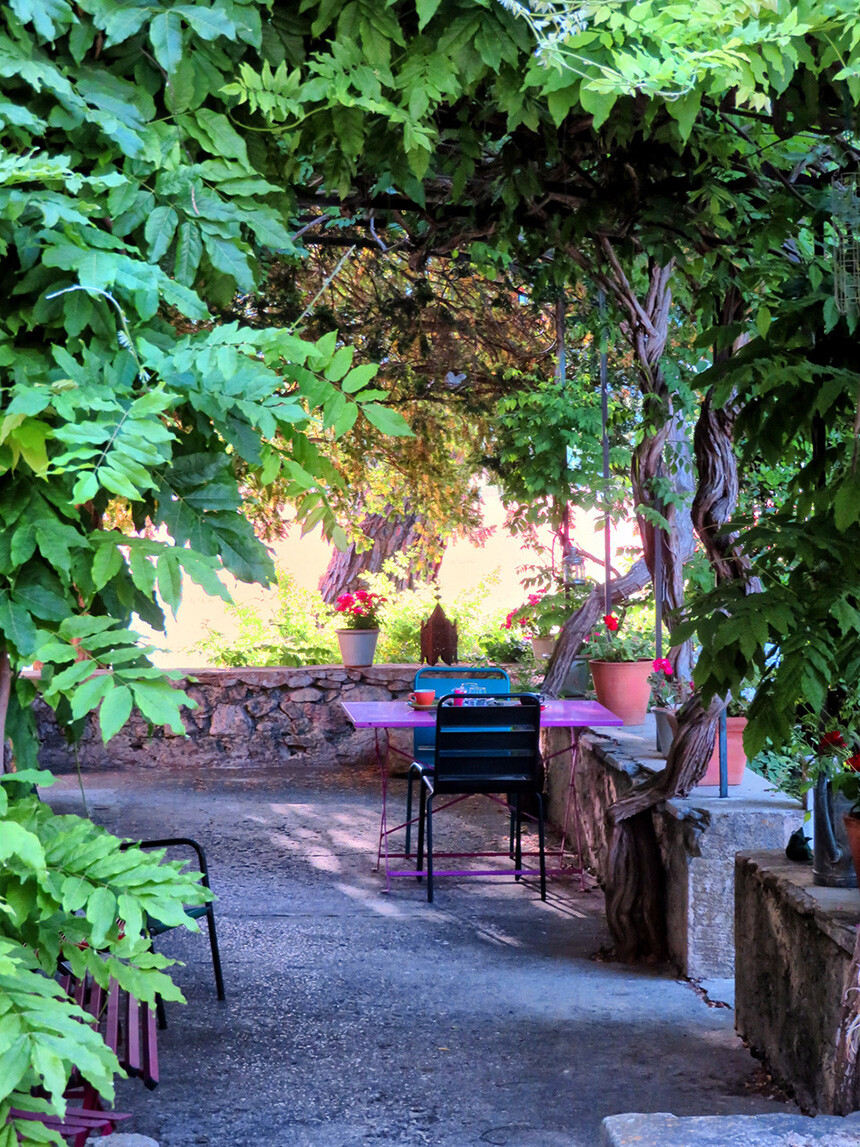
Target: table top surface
571,713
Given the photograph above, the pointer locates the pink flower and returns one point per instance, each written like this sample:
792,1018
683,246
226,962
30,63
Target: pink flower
662,665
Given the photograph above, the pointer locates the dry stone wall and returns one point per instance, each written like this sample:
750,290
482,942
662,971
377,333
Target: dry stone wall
245,718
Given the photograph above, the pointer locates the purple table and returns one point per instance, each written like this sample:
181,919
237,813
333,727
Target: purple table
574,714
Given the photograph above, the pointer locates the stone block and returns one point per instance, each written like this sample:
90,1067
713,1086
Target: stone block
366,692
794,948
229,721
699,840
305,696
261,704
663,1130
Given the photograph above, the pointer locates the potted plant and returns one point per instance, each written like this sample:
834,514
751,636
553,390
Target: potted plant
831,753
357,640
668,694
736,758
621,659
540,619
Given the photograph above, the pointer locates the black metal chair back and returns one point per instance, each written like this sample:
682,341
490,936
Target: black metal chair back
489,747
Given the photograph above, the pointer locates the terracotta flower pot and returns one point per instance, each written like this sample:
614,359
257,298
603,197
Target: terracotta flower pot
736,758
623,688
357,646
852,831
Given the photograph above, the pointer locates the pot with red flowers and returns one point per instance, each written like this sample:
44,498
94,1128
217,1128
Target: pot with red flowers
832,762
621,658
360,614
668,694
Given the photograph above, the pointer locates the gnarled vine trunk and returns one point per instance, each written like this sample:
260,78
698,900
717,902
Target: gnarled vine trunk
635,870
391,533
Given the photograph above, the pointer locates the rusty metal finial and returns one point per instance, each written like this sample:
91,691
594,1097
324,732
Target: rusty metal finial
438,637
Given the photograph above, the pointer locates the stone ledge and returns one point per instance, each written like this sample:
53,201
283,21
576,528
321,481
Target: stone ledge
794,948
698,837
663,1130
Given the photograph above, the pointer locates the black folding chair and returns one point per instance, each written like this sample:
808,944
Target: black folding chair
196,911
491,747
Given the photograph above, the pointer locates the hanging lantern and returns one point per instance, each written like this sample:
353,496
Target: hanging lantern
438,638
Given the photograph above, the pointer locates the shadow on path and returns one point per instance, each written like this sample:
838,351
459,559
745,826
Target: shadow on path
354,1016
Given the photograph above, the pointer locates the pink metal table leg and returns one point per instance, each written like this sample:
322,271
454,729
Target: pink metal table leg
575,733
575,750
383,822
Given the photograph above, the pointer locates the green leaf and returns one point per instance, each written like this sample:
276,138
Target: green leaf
115,711
170,580
87,696
159,231
159,703
208,23
387,421
122,23
106,564
340,364
426,11
14,1062
17,626
101,913
226,141
598,104
685,109
16,841
165,34
763,321
227,256
189,248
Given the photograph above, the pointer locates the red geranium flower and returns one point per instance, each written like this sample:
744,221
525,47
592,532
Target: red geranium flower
832,740
852,765
611,621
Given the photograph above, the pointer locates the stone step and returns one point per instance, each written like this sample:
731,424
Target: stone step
663,1130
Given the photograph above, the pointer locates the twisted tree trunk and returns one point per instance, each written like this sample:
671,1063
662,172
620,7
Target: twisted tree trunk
390,534
633,903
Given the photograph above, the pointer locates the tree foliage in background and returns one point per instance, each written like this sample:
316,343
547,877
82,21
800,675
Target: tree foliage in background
453,341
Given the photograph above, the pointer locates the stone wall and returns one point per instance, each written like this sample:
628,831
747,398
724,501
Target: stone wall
794,946
698,839
246,718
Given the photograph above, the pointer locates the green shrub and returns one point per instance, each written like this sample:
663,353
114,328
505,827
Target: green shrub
300,632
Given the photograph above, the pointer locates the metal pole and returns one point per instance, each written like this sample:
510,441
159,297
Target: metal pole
561,376
724,756
658,578
604,410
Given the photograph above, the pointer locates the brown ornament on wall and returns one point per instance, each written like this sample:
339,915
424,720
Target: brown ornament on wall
438,638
